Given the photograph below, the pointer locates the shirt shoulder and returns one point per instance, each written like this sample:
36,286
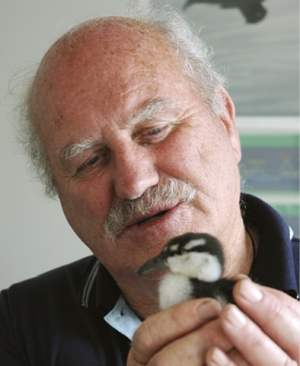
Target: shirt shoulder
34,312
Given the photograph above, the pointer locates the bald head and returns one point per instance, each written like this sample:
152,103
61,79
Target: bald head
91,56
101,54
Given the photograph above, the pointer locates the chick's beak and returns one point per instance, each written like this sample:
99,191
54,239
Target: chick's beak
158,263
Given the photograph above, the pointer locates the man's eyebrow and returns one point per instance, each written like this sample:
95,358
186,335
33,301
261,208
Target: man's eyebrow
73,150
148,111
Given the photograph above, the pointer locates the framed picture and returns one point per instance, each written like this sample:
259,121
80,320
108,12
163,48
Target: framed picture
270,163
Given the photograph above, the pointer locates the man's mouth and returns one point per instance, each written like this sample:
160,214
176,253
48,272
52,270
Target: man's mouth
152,218
145,219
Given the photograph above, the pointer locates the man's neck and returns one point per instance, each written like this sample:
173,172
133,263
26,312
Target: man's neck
141,294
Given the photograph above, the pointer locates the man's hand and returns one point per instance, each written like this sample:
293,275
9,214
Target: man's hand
198,332
264,331
180,335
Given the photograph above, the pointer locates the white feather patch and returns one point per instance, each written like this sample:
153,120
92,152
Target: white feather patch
204,266
173,289
194,243
174,247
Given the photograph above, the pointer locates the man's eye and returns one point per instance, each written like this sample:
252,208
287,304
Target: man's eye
100,159
92,161
89,164
156,134
154,131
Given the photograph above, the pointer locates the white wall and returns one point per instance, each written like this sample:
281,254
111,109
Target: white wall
34,235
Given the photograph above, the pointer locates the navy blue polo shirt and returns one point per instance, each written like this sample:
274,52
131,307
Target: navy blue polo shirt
57,318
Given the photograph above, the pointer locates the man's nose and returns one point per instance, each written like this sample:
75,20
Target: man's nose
134,171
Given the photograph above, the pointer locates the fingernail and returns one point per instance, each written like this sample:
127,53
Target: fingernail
218,358
236,317
209,309
250,291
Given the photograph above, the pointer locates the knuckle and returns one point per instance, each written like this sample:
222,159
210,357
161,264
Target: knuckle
257,341
276,310
289,362
145,336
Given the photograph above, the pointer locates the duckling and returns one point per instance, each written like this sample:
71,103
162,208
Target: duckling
196,264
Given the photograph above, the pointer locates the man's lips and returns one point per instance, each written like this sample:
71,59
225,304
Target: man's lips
151,216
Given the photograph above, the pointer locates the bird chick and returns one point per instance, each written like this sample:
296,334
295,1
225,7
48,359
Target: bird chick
196,263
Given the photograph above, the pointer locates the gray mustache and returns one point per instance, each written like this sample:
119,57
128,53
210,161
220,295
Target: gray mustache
169,191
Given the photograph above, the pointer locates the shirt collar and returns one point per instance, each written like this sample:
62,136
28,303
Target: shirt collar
123,318
116,311
274,265
99,288
88,285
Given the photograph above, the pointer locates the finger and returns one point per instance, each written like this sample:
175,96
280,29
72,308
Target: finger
255,346
131,361
216,357
166,326
237,358
239,277
275,312
191,349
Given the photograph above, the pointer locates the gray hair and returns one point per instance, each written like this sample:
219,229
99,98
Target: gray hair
190,49
28,137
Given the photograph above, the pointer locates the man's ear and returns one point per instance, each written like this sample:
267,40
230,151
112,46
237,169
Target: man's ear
227,117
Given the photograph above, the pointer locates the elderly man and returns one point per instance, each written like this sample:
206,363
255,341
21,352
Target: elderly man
129,124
